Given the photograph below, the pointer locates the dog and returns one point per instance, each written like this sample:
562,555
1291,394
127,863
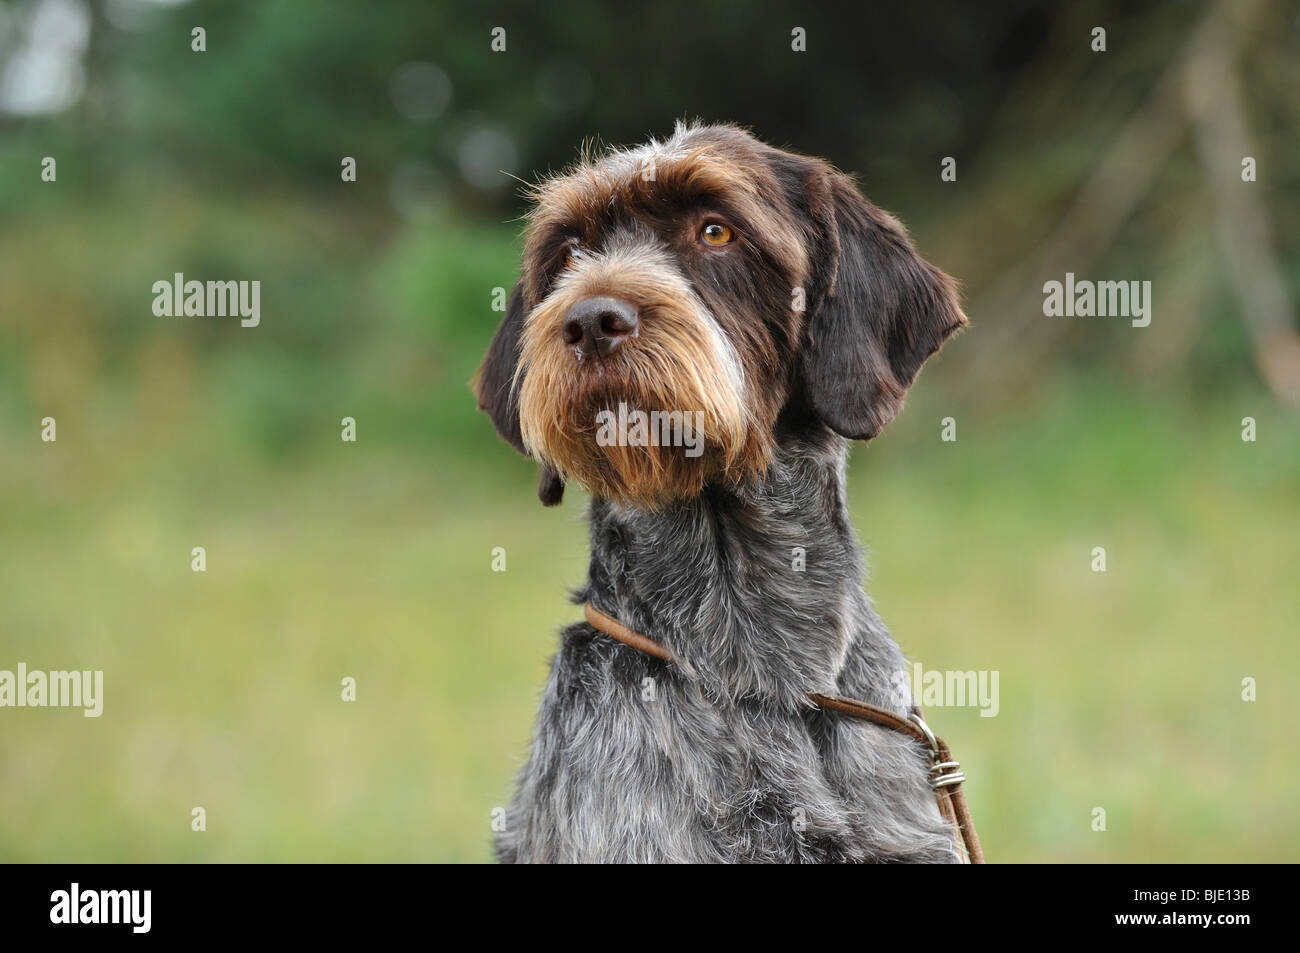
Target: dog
757,293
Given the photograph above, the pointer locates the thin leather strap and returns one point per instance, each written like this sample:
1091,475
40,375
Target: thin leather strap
945,777
961,816
868,712
615,629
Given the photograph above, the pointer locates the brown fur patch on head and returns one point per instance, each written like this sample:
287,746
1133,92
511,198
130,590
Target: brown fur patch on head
716,165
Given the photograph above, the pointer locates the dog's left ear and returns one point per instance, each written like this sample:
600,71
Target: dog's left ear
497,391
877,312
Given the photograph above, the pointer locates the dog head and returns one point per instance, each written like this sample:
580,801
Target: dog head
676,297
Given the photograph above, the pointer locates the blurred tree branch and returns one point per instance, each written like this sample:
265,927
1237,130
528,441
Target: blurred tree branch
1213,102
1198,91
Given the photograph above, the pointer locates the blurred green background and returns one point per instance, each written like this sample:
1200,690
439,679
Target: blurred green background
372,559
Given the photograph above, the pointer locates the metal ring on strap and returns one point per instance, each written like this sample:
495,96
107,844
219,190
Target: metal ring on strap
929,735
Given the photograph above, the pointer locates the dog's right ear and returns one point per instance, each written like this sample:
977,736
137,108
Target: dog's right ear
495,385
497,390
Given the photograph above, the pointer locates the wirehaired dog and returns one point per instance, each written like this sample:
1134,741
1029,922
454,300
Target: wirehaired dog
757,291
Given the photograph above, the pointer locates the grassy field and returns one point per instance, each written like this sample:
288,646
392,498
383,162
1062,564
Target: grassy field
325,560
1118,690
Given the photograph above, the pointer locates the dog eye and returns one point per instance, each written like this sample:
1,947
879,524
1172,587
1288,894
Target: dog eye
572,252
715,234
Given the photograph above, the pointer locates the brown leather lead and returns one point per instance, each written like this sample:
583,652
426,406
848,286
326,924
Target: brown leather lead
868,712
945,777
615,629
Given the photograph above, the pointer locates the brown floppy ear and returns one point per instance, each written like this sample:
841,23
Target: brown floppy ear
878,312
497,390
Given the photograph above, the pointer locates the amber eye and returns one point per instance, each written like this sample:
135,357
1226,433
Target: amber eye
572,252
715,234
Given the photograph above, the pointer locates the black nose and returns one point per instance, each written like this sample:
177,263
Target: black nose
599,325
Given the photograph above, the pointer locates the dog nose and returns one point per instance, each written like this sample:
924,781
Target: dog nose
599,324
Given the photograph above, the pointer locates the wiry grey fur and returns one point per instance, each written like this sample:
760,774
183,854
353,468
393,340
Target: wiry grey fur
726,760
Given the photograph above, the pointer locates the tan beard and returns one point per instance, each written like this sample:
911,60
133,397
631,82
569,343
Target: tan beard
673,365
